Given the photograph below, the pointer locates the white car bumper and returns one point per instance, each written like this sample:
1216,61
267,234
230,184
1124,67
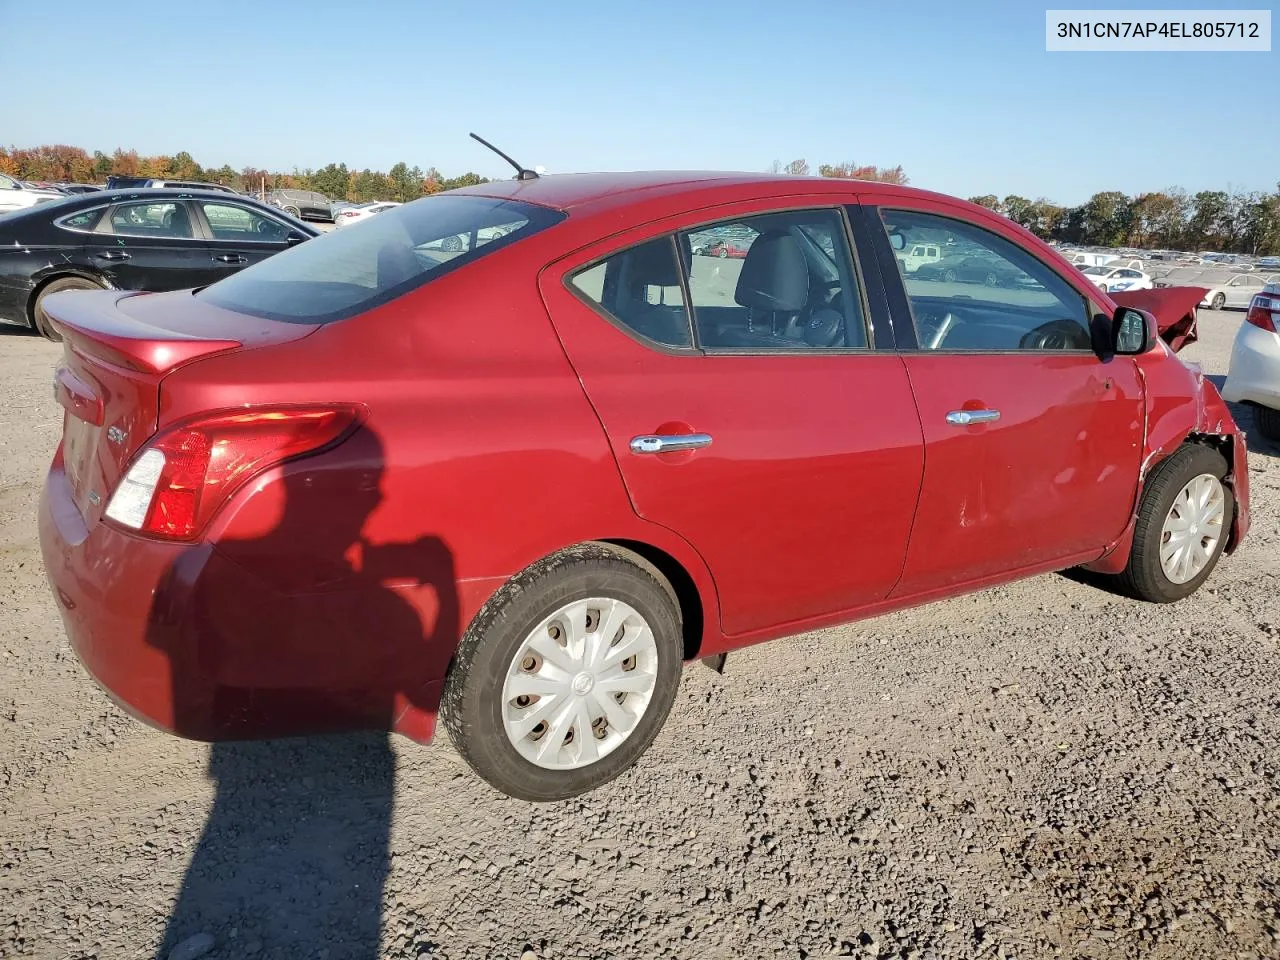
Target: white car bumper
1254,375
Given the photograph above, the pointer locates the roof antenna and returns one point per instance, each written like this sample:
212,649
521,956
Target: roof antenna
521,172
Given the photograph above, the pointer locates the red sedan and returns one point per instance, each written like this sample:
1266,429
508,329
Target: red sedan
363,484
737,249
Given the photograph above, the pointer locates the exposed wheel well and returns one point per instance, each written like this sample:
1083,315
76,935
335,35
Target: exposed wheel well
64,275
682,584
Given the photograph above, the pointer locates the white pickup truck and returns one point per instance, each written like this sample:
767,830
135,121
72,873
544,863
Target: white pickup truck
14,196
917,255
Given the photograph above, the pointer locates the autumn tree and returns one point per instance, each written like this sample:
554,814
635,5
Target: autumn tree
988,200
854,171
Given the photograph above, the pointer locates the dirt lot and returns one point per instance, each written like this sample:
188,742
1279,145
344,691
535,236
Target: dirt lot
1034,771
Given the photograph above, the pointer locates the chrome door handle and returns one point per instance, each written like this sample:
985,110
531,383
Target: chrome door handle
668,443
113,255
962,418
231,258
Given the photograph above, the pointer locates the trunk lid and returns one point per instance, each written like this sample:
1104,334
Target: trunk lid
118,348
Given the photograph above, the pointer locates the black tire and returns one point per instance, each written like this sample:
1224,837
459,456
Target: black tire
722,253
1144,577
451,244
471,706
293,212
42,323
1218,302
990,280
949,275
1268,421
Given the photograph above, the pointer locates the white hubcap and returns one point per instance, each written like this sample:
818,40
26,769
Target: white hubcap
580,683
1192,529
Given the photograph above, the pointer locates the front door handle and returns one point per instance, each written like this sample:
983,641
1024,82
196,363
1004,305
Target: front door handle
963,418
113,255
669,443
231,258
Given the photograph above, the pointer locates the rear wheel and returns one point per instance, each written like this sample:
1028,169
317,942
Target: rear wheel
1268,421
949,275
44,325
1218,302
451,244
723,252
293,212
1183,522
566,677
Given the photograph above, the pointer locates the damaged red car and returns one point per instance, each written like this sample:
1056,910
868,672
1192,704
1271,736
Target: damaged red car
377,480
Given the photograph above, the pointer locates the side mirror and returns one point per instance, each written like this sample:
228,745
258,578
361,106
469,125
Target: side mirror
897,240
1133,332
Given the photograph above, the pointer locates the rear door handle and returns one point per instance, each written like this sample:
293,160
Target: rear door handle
231,258
113,255
962,418
669,443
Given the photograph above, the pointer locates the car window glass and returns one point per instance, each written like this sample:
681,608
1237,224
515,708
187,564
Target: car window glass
349,271
778,281
163,220
82,221
640,289
8,183
986,293
230,221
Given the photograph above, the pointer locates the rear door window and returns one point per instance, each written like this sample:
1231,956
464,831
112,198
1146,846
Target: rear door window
167,220
340,274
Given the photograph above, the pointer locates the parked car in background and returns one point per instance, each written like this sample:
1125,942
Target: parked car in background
15,196
918,254
969,269
157,183
1269,263
355,214
363,484
148,239
1113,278
70,188
1226,290
1253,377
302,204
728,247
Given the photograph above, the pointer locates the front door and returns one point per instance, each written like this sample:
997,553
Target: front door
149,245
238,235
1033,442
748,409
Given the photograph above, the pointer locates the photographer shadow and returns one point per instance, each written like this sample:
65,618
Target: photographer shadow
295,853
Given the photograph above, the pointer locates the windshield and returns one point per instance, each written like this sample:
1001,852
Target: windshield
1096,271
343,273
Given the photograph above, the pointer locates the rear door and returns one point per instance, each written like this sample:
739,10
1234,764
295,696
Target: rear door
1032,442
237,234
150,245
754,406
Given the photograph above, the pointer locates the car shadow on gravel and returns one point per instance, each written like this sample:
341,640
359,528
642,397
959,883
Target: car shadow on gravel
295,853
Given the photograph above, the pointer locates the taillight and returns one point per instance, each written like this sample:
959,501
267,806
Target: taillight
180,479
1264,312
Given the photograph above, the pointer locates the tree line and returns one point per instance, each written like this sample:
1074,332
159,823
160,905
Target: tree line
61,163
1171,218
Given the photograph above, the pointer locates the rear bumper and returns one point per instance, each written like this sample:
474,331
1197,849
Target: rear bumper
189,642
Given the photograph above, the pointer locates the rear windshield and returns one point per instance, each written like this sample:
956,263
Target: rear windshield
359,267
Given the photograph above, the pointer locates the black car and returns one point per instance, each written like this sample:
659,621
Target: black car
132,240
970,270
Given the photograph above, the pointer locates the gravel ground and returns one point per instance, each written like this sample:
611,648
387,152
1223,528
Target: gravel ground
1038,770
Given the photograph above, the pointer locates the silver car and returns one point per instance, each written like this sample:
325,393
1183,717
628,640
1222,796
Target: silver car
1229,290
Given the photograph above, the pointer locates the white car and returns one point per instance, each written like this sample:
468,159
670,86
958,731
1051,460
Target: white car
350,215
1114,279
15,196
1236,291
1254,375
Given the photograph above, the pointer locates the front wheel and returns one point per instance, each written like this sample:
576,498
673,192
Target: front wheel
1218,302
722,253
1182,527
293,212
567,675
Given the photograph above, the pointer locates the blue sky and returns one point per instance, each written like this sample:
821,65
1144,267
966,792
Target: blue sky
962,94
